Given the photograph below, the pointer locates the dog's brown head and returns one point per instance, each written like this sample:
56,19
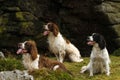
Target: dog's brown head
51,27
28,47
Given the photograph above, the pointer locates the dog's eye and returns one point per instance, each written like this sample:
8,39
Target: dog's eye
50,25
94,36
27,44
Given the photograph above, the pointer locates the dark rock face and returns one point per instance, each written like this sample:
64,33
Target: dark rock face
23,19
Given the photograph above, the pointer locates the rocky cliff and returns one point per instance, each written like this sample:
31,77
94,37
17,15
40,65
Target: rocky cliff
23,19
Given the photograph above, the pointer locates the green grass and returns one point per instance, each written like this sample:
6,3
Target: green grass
76,67
115,69
10,64
45,74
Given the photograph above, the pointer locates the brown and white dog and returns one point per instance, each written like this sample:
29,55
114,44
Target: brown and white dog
59,45
32,60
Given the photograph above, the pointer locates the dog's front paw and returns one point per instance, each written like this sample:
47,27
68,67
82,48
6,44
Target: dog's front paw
108,73
91,75
82,71
81,60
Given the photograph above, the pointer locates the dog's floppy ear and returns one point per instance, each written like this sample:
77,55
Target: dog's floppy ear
55,29
33,50
101,42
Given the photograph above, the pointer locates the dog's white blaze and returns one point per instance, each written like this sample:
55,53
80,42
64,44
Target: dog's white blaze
55,67
23,45
46,27
91,38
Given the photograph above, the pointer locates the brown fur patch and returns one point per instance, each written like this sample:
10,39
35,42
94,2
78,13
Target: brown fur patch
32,49
67,41
50,64
53,28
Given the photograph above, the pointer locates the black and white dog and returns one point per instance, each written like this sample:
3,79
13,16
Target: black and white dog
99,58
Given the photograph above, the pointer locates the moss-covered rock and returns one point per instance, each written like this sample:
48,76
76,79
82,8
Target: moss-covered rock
11,9
2,29
27,28
108,7
114,18
117,29
4,19
77,19
24,16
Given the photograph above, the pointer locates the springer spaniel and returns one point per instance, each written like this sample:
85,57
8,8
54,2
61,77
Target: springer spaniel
59,45
99,59
32,60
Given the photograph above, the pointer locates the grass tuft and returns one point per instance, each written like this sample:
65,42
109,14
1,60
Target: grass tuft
45,74
10,64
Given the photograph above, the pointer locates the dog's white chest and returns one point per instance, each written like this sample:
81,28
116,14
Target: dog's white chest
29,63
97,53
56,43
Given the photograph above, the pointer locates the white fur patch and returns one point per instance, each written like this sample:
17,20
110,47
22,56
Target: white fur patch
55,67
59,47
29,63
